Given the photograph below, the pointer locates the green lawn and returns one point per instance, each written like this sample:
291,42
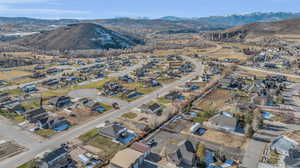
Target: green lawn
108,147
140,87
30,164
29,105
45,132
17,91
163,100
64,91
95,85
91,134
130,115
19,119
56,92
12,116
273,158
106,106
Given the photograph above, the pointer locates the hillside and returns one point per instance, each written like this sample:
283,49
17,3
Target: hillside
257,30
78,37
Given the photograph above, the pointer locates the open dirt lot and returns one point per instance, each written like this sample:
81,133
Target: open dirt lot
5,75
9,149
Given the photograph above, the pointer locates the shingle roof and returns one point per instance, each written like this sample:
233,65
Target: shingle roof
140,147
223,121
54,154
126,158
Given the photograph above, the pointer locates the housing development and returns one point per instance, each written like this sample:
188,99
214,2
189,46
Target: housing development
145,93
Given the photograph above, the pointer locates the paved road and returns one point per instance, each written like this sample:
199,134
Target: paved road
76,131
13,132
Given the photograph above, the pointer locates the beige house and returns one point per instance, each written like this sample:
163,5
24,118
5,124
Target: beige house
127,158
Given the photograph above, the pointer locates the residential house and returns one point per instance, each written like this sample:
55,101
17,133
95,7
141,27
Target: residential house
112,88
126,79
36,115
175,95
152,108
60,102
127,158
100,75
141,72
17,108
29,88
293,159
2,83
182,154
117,132
53,70
4,98
283,144
130,94
37,75
93,105
59,158
113,130
187,67
51,82
39,67
71,79
222,122
57,123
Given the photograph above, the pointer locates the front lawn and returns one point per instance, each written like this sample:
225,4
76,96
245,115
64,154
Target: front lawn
12,116
45,132
108,147
130,115
30,164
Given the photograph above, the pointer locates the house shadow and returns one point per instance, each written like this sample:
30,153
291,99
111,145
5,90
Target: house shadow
153,157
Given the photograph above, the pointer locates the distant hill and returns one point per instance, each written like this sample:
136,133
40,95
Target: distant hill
144,26
235,20
257,30
78,37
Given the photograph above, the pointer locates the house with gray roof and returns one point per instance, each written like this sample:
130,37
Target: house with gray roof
283,144
182,154
293,159
222,122
113,130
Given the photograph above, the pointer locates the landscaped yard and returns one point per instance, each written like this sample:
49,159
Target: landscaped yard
273,158
108,147
130,115
64,91
12,116
163,100
45,132
30,164
17,91
29,105
140,87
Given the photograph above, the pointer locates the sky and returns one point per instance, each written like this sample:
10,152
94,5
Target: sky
96,9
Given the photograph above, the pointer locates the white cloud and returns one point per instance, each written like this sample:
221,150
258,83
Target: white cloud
36,11
8,8
21,1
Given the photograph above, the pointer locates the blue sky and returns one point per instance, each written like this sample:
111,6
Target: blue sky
89,9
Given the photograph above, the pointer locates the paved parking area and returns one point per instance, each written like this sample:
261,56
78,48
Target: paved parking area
84,93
